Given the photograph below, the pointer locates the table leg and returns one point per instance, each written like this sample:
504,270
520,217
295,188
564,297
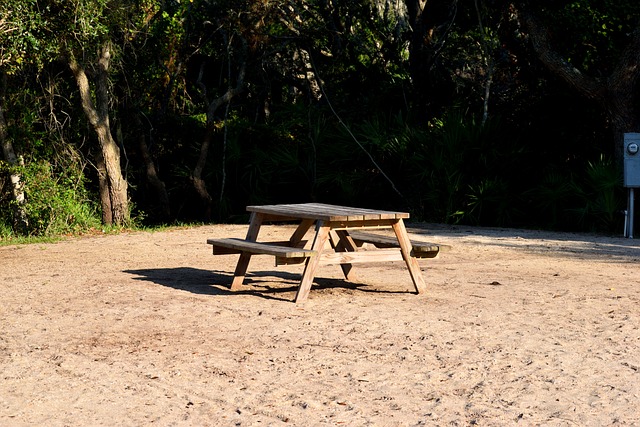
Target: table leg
311,266
412,263
245,257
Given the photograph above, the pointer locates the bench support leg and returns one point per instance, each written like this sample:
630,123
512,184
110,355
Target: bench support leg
412,263
245,257
311,266
298,235
341,242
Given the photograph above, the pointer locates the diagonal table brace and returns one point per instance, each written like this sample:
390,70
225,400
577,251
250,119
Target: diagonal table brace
311,265
412,263
245,257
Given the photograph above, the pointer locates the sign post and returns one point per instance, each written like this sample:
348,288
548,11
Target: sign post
631,177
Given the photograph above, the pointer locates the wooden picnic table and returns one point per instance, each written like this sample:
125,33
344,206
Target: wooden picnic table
345,229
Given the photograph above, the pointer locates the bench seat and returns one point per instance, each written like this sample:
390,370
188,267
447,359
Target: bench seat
419,249
237,246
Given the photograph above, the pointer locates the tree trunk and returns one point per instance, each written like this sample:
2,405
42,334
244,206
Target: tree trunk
488,63
113,194
155,183
196,177
103,189
622,89
430,23
615,94
17,185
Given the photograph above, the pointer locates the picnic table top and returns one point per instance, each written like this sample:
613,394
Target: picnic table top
325,212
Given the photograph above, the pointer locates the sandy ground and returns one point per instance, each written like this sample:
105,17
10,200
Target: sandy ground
518,327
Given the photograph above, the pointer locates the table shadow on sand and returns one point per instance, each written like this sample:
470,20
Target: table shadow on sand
265,284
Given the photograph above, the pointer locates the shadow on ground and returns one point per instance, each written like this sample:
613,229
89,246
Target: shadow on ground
578,245
265,284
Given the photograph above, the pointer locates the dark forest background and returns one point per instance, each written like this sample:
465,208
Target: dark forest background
487,112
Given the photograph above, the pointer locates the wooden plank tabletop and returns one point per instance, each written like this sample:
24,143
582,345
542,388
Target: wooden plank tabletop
324,212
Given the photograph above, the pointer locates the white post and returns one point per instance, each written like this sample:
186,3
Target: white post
631,213
626,219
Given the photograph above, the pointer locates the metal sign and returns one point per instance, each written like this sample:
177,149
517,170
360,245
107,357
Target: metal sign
632,160
631,165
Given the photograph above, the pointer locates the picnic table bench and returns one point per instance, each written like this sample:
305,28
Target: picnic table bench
419,249
340,234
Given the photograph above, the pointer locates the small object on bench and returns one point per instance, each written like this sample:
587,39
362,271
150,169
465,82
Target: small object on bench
419,249
237,246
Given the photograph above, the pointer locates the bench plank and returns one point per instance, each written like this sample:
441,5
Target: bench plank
361,257
420,249
236,246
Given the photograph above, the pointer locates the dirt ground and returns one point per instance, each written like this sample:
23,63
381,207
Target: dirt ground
518,327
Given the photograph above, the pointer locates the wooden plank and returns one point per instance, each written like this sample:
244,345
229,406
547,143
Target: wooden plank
369,224
227,250
289,261
293,211
311,266
424,254
364,213
382,241
260,248
341,242
324,212
221,250
382,255
412,263
243,262
355,214
344,213
301,230
296,242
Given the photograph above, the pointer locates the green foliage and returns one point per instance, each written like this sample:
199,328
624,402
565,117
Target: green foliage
22,37
551,199
56,203
489,202
600,196
467,171
7,237
599,30
590,198
279,142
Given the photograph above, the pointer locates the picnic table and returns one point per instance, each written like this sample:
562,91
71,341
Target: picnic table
340,233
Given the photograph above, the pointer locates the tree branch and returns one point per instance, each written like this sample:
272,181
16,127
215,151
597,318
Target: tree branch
625,76
85,91
540,39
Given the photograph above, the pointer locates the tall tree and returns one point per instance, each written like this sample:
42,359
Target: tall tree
10,156
113,186
18,45
612,79
81,29
431,23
